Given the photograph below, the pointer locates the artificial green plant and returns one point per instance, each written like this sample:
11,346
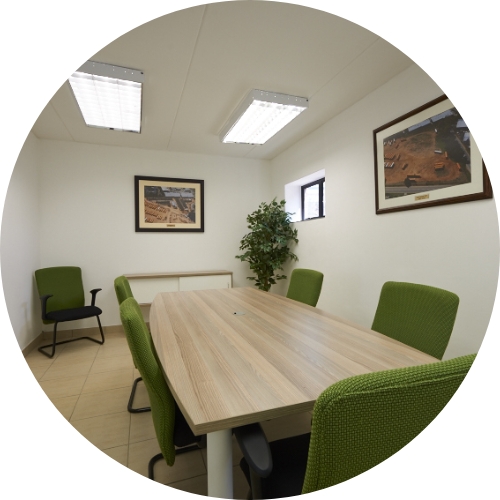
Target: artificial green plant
266,246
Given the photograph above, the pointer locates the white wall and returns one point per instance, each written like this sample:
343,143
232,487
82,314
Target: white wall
73,204
20,243
453,247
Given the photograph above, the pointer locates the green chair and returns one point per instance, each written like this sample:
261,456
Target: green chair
171,427
420,316
357,423
305,286
62,297
123,291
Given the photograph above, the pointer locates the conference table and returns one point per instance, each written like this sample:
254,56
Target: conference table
240,355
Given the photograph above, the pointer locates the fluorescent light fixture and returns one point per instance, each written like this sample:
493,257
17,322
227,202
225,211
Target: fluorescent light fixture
261,115
109,96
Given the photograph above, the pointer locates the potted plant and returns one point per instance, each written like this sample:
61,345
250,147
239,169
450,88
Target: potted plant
266,245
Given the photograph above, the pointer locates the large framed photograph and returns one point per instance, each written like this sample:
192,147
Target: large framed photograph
426,158
167,204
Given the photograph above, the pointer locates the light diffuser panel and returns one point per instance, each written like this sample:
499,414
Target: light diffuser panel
109,96
260,116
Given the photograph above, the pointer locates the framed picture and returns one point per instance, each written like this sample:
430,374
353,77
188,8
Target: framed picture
165,204
427,158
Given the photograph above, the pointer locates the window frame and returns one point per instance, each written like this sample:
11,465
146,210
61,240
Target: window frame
321,197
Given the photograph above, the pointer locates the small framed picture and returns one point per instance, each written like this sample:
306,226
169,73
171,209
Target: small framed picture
167,204
427,158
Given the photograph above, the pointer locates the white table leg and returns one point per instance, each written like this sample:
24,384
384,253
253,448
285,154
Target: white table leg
220,464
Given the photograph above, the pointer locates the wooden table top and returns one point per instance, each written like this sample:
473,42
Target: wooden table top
237,356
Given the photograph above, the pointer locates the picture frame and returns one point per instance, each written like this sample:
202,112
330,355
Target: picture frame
165,204
427,158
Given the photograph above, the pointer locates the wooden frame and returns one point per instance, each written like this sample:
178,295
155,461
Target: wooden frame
168,205
427,158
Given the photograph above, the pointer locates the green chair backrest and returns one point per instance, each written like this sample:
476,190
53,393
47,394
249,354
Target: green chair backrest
122,289
160,397
305,286
418,315
363,420
64,283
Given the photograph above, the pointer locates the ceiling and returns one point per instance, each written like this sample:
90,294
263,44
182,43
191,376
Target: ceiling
200,62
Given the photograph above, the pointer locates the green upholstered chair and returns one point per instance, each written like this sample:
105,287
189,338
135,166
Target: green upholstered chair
123,291
305,286
420,316
357,423
63,299
170,425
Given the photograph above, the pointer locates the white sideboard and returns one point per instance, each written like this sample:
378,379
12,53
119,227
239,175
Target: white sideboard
146,286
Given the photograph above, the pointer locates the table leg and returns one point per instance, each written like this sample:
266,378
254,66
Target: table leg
220,464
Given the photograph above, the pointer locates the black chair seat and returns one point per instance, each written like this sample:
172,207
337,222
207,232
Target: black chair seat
289,467
74,314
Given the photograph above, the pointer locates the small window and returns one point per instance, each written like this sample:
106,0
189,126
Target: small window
313,199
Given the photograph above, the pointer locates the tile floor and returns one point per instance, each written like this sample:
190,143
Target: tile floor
90,385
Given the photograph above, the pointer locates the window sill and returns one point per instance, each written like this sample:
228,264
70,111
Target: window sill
312,218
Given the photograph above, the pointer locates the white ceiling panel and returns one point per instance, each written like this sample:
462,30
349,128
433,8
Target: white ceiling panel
200,62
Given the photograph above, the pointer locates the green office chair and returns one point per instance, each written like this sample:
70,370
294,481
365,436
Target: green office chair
357,423
171,427
305,286
123,291
62,297
418,315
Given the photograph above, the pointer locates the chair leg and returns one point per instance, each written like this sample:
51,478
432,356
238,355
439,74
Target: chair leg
157,458
54,343
131,400
151,465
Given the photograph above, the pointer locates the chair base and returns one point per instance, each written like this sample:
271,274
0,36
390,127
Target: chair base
131,400
159,457
54,343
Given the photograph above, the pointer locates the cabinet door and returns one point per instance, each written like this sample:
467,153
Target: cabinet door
187,283
145,290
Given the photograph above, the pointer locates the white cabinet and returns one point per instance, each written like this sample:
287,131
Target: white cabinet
146,286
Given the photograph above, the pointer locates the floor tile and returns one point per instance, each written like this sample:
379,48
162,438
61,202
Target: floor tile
105,431
141,427
95,404
196,485
83,348
36,358
39,371
118,453
115,363
63,387
109,349
66,405
106,381
141,396
67,369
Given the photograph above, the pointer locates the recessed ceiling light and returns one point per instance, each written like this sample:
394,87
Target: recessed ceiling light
109,96
260,116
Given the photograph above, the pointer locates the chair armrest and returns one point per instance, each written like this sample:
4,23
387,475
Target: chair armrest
94,293
43,299
255,448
